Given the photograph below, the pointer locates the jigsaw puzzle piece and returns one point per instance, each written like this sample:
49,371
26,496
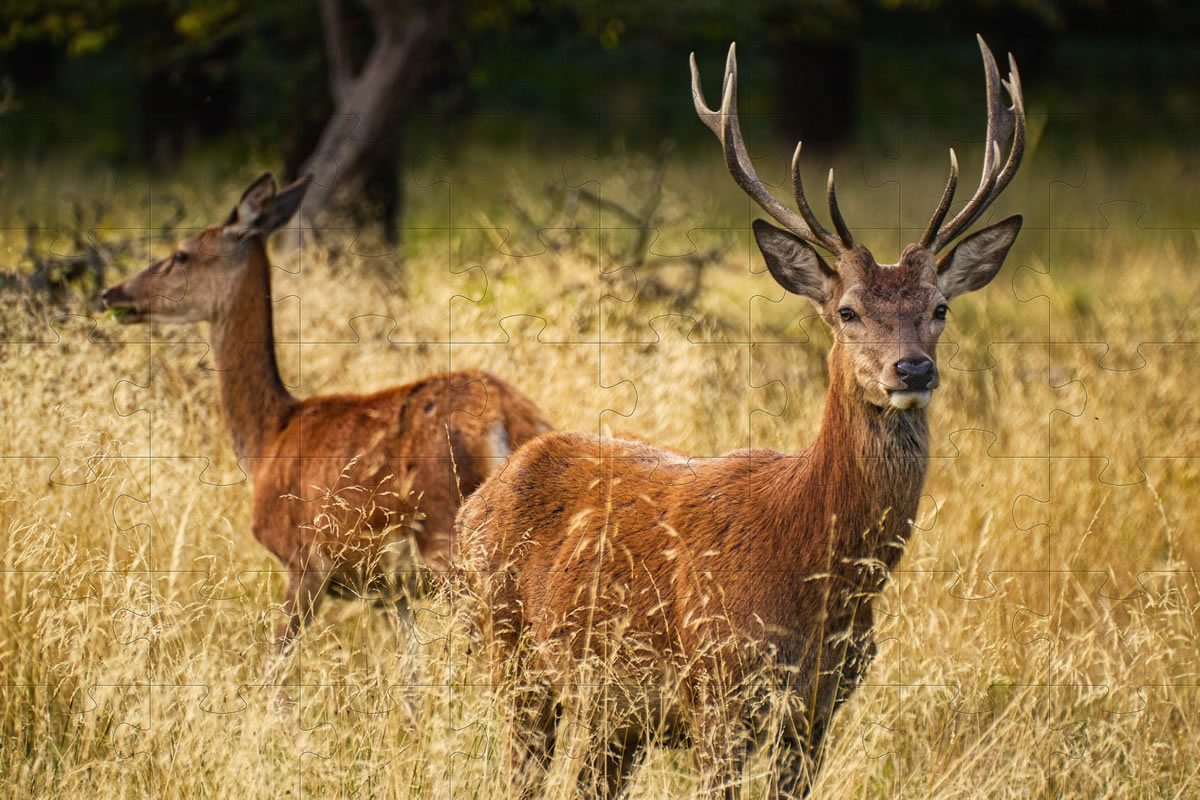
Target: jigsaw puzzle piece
1006,311
1131,413
1121,645
779,317
637,204
370,727
922,168
1119,691
104,633
345,289
774,314
70,423
1120,531
38,513
523,240
425,184
182,518
982,512
258,720
180,396
884,728
582,281
220,624
1106,300
397,648
1014,397
699,278
787,388
585,398
80,230
999,626
928,727
113,719
1139,740
377,363
1091,177
662,370
85,613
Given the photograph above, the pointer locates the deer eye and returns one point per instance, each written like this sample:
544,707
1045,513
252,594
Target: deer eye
179,257
847,314
941,311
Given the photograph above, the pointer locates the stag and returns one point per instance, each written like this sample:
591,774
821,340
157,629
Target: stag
417,449
702,581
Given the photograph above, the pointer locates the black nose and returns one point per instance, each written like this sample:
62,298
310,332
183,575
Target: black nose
112,295
916,373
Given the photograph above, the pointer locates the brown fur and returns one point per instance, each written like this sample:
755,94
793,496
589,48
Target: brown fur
701,581
415,450
696,586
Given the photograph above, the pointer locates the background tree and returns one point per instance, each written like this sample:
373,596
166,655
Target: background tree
338,86
364,134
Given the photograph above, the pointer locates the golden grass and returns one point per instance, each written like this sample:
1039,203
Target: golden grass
1039,639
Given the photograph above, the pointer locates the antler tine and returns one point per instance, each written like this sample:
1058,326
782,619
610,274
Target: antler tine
825,237
996,118
947,198
724,124
1003,122
1013,87
836,213
709,117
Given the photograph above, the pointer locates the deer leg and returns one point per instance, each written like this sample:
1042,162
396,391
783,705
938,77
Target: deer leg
797,762
535,719
609,763
403,589
718,757
304,592
802,745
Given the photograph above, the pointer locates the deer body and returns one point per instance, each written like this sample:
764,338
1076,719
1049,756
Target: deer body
417,453
703,583
399,459
782,550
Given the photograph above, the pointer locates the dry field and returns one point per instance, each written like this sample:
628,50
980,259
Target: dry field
1040,638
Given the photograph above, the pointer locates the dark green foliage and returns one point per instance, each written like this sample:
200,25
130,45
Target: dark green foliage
146,82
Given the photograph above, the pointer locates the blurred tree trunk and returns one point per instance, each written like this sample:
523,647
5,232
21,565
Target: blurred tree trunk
361,138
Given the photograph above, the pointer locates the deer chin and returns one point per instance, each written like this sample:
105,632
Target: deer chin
904,399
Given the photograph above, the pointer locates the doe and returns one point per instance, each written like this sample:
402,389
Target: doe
418,448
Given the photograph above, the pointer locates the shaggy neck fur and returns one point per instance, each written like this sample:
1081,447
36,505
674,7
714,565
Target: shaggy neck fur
856,488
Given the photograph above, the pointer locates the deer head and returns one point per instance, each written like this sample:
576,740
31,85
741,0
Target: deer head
197,281
886,318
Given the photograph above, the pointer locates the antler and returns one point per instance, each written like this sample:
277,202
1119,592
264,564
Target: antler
724,124
1003,122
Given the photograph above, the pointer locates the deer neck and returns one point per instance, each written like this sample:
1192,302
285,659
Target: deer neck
253,398
869,465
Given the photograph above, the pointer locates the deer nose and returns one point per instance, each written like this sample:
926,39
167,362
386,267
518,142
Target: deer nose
917,373
111,295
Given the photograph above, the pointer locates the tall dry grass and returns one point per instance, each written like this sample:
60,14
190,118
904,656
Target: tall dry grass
1039,639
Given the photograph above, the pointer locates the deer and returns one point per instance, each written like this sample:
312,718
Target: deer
414,449
700,581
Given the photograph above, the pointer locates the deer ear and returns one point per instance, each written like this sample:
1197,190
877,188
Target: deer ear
261,210
975,260
794,264
255,200
286,204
